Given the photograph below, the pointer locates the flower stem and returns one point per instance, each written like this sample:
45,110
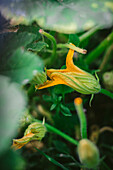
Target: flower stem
51,59
106,58
80,50
99,49
58,132
107,93
82,118
88,33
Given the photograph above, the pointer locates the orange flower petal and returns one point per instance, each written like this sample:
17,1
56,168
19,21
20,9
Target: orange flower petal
70,65
19,143
50,83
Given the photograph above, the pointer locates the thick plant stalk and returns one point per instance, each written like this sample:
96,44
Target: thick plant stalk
99,49
107,93
82,118
106,57
89,33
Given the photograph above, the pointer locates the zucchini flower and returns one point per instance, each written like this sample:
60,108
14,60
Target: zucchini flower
35,131
74,77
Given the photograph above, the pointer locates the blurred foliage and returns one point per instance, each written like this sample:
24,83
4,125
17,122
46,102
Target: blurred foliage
12,161
67,16
12,106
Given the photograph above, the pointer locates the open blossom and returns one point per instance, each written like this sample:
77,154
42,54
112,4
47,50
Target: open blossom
74,77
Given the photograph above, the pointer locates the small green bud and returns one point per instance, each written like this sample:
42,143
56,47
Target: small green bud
39,78
88,153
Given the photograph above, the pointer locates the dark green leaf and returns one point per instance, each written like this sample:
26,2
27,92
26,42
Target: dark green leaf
62,89
12,105
47,98
53,106
20,66
67,16
30,29
9,42
66,123
65,111
36,47
74,39
61,146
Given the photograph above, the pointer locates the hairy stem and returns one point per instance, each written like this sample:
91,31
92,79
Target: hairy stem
52,58
99,49
106,57
88,33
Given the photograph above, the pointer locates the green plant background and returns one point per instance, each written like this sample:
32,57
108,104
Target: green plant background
24,52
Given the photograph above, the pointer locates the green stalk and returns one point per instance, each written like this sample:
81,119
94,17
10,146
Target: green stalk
106,58
88,33
82,117
51,59
82,38
100,49
107,93
54,130
80,50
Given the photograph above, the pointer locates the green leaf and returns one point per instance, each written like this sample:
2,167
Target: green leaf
65,110
62,89
47,98
53,106
74,39
11,41
12,106
21,65
52,160
67,16
36,47
30,29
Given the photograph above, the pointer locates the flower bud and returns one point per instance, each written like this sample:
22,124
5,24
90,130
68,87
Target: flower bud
35,131
38,129
39,78
88,153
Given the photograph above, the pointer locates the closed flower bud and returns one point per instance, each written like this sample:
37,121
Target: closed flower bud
35,131
88,153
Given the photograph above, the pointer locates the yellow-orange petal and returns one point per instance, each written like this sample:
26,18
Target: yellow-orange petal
69,63
19,143
50,83
50,71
